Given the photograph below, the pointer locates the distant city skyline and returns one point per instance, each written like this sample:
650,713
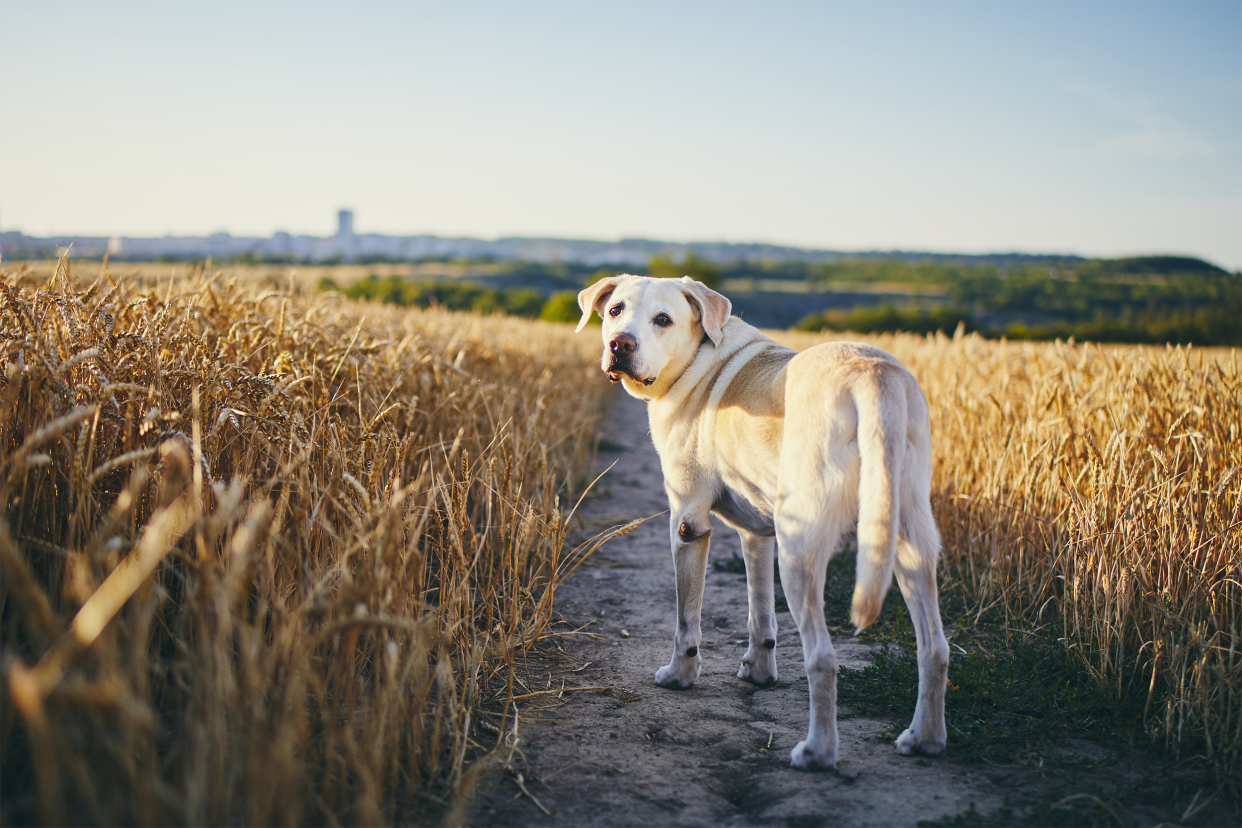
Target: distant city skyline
346,245
1091,128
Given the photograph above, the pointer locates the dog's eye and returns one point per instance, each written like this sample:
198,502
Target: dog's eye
663,320
616,309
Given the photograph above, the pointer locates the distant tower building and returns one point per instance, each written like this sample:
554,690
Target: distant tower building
345,243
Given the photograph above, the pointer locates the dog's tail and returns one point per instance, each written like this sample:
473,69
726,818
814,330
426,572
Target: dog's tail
881,448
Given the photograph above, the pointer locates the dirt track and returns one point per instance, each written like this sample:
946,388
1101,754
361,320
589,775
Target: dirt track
717,753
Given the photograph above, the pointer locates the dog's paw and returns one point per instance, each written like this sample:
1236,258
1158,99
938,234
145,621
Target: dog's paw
803,757
758,667
679,675
909,743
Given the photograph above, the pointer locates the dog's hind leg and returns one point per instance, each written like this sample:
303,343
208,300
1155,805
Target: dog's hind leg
759,663
917,546
691,532
804,545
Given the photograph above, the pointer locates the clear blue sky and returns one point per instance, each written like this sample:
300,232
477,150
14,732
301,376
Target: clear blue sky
1080,127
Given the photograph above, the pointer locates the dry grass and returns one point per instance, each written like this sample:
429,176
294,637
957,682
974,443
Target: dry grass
268,560
1096,494
304,276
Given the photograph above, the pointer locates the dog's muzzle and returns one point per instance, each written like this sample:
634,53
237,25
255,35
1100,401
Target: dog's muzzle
621,359
615,373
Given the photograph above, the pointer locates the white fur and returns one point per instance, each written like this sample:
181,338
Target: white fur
721,399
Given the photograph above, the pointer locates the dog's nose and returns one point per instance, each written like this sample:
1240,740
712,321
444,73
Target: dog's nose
622,344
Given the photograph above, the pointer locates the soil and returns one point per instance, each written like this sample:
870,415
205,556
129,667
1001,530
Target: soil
718,753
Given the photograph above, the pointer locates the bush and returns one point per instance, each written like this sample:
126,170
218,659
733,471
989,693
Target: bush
886,319
563,307
397,290
699,269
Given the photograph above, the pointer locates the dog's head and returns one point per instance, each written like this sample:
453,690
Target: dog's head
653,327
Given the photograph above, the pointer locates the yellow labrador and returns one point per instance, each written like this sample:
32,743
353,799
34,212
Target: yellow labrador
790,449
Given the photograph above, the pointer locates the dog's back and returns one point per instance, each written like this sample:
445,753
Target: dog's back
856,402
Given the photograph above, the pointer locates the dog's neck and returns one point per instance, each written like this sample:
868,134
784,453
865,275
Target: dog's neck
696,380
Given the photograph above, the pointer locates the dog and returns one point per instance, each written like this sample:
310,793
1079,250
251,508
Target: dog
791,450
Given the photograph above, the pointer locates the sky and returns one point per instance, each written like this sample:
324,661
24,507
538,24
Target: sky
1090,128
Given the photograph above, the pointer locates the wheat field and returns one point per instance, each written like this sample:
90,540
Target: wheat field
267,558
270,557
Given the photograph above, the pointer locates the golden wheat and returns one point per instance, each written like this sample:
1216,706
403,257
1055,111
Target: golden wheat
267,559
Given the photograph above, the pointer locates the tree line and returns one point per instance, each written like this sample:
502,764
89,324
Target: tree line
1149,299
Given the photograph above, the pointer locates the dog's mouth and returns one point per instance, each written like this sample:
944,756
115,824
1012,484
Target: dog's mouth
615,376
619,368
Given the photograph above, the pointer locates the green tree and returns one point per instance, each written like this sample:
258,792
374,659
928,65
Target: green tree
526,302
699,269
563,307
597,275
886,319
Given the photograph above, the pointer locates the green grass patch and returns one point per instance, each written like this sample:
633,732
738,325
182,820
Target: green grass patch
1015,704
1011,698
893,626
1087,811
1155,800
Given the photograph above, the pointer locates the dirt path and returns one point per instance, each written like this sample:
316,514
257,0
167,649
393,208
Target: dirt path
717,753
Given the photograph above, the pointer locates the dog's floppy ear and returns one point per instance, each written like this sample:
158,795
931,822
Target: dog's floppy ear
714,309
594,297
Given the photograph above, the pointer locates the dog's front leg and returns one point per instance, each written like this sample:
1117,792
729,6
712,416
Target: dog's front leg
759,663
691,532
